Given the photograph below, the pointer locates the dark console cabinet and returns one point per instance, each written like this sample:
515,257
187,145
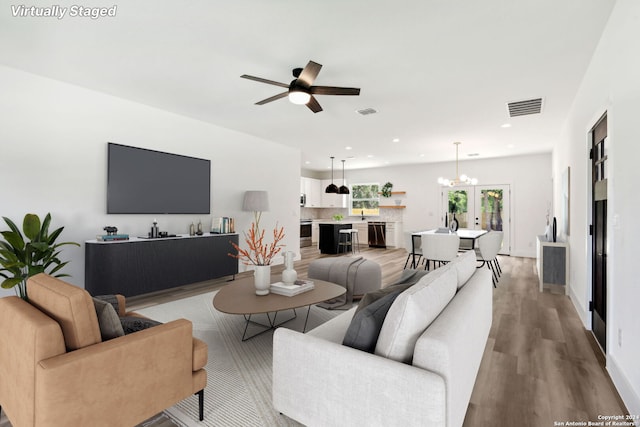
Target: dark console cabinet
140,266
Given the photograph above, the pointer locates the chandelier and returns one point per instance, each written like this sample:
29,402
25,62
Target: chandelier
459,179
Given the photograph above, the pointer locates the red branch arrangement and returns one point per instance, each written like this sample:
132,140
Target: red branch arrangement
259,252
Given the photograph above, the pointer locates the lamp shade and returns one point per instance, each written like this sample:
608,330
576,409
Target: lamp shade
256,201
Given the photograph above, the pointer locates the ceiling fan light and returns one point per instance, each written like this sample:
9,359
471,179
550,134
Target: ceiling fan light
299,97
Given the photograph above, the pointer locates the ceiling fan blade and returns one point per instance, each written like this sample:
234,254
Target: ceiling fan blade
332,90
309,74
273,98
261,80
313,105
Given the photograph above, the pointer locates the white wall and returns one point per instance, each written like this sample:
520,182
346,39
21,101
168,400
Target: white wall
529,178
611,84
53,142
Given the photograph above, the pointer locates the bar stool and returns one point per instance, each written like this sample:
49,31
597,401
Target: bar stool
350,239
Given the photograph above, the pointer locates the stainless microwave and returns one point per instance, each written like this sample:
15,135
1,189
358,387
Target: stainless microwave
303,199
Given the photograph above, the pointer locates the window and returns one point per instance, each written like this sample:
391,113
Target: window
365,199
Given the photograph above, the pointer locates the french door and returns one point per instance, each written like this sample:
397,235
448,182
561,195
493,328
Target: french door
479,207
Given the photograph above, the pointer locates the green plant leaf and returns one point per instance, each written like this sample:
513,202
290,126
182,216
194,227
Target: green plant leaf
44,231
31,226
14,239
11,225
10,283
51,238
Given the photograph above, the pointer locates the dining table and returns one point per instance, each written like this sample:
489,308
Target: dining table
467,235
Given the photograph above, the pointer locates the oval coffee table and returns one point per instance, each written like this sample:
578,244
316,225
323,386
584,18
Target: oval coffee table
239,297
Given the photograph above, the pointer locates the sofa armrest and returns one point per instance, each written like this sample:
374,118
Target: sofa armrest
144,372
318,382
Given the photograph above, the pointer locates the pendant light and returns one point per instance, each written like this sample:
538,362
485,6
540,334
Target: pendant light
459,179
331,188
343,188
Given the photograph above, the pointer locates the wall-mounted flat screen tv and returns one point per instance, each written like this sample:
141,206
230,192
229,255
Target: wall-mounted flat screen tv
141,181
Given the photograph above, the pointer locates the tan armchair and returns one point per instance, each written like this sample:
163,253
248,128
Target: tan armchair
56,371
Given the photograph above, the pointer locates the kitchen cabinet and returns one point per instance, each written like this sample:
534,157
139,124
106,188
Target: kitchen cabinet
331,200
394,235
315,232
363,236
313,189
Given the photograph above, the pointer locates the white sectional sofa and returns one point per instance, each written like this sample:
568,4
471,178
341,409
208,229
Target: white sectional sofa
318,381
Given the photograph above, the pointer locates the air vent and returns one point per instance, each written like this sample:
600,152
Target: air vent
523,108
366,111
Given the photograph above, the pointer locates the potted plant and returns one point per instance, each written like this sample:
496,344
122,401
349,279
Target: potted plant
386,189
21,258
260,254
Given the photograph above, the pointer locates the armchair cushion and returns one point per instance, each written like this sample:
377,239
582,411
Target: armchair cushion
108,320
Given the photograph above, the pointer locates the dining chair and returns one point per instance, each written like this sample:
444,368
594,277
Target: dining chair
440,248
487,252
416,244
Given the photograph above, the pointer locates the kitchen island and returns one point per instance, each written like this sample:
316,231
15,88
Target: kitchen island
330,235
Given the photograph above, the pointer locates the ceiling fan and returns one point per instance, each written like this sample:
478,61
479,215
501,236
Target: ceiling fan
301,89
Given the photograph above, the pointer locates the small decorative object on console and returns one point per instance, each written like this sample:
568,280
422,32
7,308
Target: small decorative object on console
111,230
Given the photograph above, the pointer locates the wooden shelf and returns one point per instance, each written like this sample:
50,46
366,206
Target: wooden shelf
392,207
395,192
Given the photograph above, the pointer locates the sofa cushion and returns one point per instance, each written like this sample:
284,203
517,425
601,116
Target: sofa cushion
371,297
132,324
413,311
364,328
108,320
70,306
465,266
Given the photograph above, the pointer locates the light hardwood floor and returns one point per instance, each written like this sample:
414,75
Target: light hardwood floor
539,366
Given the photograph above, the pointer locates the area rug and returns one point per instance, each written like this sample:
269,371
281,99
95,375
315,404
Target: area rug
239,373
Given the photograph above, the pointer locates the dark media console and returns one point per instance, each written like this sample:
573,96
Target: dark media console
140,266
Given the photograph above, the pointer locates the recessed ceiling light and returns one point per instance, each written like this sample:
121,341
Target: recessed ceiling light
506,125
370,156
473,154
396,139
421,155
307,162
348,148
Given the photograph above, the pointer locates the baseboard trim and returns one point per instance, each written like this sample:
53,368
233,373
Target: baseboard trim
625,390
582,311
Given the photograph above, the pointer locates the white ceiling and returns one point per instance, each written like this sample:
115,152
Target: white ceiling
437,71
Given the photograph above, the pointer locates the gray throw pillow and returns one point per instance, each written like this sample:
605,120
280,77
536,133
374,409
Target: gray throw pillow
132,324
108,320
111,299
365,326
373,296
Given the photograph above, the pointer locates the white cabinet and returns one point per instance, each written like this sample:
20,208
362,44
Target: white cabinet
394,235
312,189
363,232
332,200
315,232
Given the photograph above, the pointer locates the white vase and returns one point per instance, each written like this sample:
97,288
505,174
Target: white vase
262,279
289,275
